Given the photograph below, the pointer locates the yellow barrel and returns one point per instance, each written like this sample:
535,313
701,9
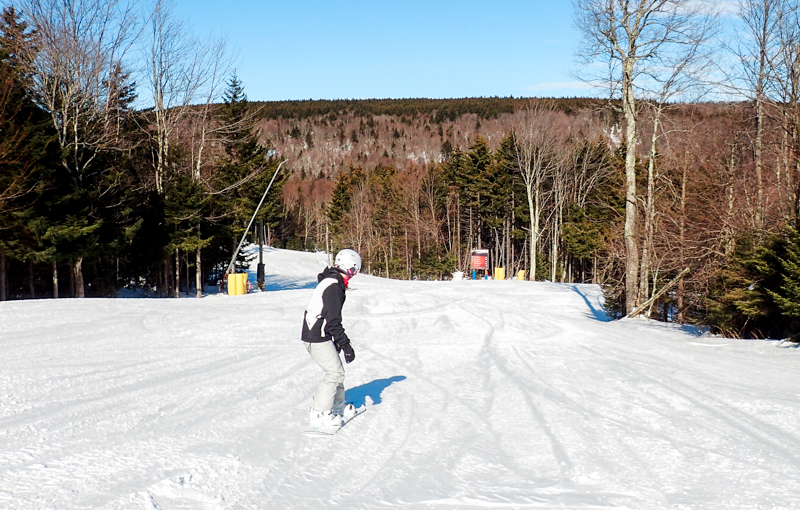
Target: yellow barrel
521,275
237,284
232,287
499,273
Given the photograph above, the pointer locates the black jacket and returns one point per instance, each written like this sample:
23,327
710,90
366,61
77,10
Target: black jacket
322,320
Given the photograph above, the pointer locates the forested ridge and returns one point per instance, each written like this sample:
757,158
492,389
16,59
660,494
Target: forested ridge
99,198
437,110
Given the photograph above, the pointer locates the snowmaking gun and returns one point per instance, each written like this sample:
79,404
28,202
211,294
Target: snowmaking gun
241,285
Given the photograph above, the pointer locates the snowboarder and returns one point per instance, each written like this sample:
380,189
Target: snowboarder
324,337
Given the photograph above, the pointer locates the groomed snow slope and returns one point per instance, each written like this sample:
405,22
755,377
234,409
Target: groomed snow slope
487,394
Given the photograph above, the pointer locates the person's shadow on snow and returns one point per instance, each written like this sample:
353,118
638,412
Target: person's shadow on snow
358,395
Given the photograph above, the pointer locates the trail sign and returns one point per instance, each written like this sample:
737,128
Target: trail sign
480,259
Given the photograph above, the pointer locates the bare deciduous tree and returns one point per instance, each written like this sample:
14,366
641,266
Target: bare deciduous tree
783,74
757,48
537,138
185,76
79,46
636,43
182,71
80,49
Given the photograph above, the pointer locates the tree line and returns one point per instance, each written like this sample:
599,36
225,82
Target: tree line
548,198
437,110
99,196
627,191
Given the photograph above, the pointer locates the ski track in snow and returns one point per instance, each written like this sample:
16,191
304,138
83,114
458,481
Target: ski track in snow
486,394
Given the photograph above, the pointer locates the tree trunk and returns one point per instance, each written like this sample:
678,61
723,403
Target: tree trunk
783,167
31,287
649,218
682,234
631,220
554,251
198,273
533,209
408,254
328,242
162,281
3,278
72,278
794,170
471,240
759,146
78,271
167,272
186,258
758,162
729,233
55,280
461,264
177,293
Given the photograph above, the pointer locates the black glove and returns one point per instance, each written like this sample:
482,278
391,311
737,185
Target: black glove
349,353
343,344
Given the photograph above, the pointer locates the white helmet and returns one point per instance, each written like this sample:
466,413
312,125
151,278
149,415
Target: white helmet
348,261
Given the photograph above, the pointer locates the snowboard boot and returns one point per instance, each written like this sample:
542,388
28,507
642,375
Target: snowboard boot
324,420
346,411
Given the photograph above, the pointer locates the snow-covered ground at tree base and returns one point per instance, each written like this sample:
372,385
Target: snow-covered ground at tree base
483,394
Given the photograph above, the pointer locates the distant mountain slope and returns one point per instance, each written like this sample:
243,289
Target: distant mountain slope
437,109
322,137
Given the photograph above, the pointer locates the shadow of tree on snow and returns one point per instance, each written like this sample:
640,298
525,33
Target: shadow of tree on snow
358,395
598,313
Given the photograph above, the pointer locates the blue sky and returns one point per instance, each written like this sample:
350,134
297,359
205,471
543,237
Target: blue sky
376,49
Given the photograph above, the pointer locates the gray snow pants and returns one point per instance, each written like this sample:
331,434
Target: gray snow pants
330,391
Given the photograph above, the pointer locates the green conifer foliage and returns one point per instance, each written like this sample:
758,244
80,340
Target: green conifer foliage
24,135
341,200
583,237
484,186
787,296
740,300
243,173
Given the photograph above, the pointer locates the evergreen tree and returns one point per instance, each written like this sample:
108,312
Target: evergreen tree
185,205
244,172
382,190
341,200
483,186
583,236
91,214
787,296
24,134
77,78
740,300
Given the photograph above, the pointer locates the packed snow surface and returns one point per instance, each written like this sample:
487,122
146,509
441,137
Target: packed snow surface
482,394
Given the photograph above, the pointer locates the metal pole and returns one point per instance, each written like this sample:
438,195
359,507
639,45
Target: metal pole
236,252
